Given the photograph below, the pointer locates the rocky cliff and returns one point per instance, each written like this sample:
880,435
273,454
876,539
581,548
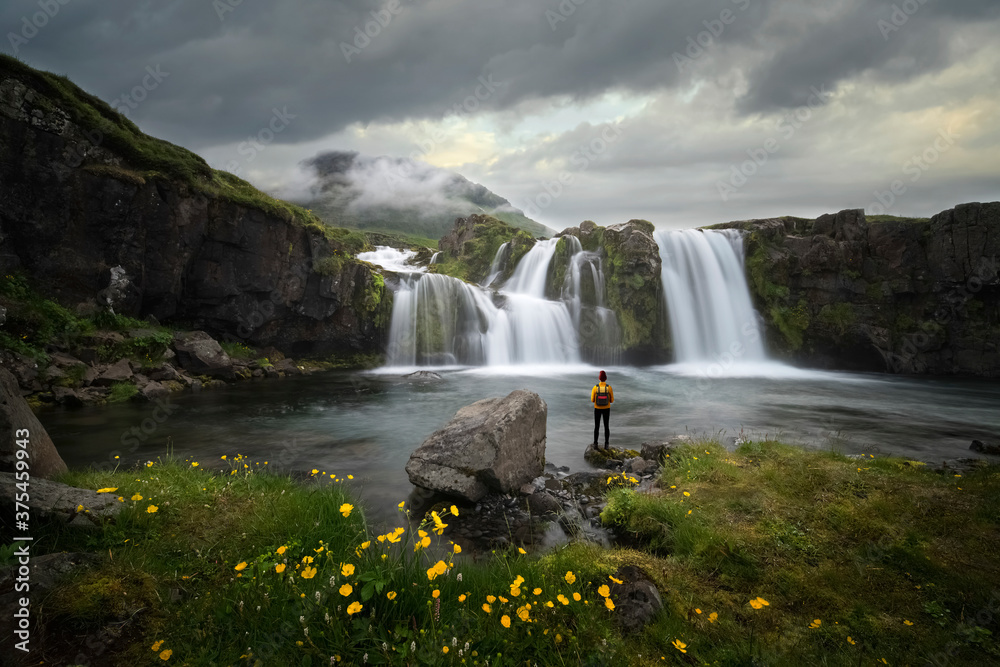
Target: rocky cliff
881,294
94,212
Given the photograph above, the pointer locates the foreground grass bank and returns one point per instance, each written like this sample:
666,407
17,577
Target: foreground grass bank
770,555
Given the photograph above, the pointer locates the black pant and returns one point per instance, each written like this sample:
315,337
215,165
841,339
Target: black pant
598,415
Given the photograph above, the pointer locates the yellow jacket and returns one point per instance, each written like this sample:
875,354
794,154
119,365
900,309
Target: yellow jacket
593,396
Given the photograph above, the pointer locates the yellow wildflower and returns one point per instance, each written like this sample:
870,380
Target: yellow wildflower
454,510
345,509
151,509
436,593
282,550
505,621
108,489
242,566
391,595
570,577
679,645
308,572
562,598
354,608
156,645
851,641
346,590
279,568
486,607
137,497
346,569
608,603
713,617
461,598
165,655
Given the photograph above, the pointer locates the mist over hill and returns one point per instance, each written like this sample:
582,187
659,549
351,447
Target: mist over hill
399,195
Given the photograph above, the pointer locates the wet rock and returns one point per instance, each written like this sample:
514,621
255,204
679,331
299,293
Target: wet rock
423,375
985,447
637,600
16,416
66,396
153,390
541,504
287,366
494,444
199,353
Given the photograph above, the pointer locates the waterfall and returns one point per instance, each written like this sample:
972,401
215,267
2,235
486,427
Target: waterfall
711,315
438,320
434,258
392,259
499,259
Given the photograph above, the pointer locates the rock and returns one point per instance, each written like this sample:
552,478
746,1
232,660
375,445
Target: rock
985,447
637,600
165,372
541,504
120,371
153,390
54,501
199,353
52,374
16,417
67,397
655,451
589,481
46,572
287,366
63,360
92,373
423,375
639,466
494,444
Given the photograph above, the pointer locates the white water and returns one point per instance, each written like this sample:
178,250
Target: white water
711,316
499,260
392,259
441,321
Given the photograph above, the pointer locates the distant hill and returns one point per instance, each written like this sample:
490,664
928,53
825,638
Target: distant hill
400,195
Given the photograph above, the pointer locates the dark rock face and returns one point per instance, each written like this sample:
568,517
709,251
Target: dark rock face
86,230
903,296
497,444
15,415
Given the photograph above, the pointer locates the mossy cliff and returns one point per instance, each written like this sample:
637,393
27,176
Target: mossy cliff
885,294
468,250
96,213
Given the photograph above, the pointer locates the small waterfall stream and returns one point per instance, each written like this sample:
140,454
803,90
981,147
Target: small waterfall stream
704,282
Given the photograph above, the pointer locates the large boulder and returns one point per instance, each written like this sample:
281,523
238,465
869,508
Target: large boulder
15,418
199,353
53,501
497,444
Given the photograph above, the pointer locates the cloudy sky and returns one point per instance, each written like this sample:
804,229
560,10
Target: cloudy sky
683,112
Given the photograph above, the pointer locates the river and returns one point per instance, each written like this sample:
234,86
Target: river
366,424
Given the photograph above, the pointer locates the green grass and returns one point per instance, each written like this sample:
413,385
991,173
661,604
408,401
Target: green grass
894,218
866,547
121,392
237,350
199,551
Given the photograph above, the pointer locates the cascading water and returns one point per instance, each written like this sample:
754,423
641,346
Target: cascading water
711,315
439,320
503,252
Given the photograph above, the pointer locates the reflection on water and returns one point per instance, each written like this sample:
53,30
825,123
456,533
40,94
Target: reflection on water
367,424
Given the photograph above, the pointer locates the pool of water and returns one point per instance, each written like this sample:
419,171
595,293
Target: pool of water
367,424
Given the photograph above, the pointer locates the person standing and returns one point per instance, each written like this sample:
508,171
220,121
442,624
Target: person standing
602,396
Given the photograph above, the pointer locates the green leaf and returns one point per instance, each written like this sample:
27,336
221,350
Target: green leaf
366,592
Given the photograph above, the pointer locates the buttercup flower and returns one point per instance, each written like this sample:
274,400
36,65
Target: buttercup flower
505,621
279,568
679,645
242,566
391,595
354,608
570,577
151,509
346,590
345,509
347,569
308,572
